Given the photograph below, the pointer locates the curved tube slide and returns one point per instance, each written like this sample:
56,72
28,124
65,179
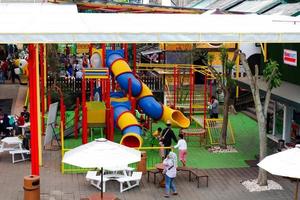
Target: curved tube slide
144,95
128,124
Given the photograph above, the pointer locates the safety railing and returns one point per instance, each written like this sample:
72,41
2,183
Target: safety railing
214,130
153,157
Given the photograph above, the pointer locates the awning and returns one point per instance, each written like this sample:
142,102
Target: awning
287,93
255,6
51,23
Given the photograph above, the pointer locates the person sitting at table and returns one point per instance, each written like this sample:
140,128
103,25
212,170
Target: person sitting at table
26,114
170,165
1,114
5,122
20,122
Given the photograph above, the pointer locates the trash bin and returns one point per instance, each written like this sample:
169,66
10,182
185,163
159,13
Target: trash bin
31,187
142,165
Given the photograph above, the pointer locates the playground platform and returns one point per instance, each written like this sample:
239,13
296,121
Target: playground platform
223,184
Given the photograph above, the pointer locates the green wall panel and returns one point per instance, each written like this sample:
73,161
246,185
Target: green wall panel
289,73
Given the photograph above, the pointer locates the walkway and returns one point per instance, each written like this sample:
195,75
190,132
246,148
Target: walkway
224,184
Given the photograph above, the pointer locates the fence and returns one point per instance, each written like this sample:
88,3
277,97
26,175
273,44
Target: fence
214,129
153,157
155,83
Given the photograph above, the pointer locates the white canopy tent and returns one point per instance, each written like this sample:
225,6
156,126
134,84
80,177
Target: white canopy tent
55,23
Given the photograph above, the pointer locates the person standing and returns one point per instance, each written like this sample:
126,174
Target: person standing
214,113
182,147
167,136
170,169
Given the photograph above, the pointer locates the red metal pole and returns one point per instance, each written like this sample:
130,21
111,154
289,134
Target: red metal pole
130,92
134,58
84,125
76,118
191,92
90,49
76,113
126,52
210,89
113,46
110,123
49,99
107,92
92,90
205,102
62,112
83,90
103,55
34,112
174,87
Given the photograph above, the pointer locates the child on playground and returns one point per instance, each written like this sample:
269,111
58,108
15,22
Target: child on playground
182,146
155,136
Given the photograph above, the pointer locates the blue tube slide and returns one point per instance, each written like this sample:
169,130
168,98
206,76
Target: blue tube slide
148,104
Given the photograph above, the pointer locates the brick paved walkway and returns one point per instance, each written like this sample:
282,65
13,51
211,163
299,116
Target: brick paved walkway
224,184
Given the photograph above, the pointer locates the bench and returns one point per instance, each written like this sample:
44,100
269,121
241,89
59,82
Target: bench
198,175
154,172
186,169
95,179
135,178
19,151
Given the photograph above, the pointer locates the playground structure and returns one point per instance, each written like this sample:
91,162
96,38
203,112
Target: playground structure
135,93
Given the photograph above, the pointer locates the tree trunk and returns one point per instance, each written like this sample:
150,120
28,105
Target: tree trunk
261,119
223,137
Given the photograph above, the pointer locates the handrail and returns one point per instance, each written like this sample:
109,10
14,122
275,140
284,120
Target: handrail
26,102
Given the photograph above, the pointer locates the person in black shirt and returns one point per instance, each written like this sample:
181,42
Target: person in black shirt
166,137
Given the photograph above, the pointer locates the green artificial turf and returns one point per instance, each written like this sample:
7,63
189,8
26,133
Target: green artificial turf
246,137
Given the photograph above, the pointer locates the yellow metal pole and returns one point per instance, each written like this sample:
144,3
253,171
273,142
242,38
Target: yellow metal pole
45,75
38,106
263,47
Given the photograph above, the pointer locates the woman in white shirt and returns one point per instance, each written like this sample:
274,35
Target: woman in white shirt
182,146
170,165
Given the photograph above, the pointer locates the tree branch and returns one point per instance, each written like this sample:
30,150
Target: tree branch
217,75
268,93
252,79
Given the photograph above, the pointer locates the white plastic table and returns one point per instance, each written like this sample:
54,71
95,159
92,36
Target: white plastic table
15,147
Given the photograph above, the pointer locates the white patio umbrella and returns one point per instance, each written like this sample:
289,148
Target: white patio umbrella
102,154
285,163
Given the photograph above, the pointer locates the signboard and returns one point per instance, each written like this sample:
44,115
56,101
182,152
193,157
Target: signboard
121,1
51,123
82,48
102,73
176,47
290,57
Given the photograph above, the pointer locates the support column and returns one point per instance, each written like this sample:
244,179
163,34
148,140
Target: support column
287,123
34,99
274,118
237,71
134,58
